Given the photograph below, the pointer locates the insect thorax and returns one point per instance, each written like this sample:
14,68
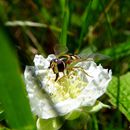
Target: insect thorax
57,65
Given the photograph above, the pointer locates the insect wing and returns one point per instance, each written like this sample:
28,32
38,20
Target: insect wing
60,50
96,57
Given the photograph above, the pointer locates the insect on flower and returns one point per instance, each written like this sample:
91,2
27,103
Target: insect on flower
68,61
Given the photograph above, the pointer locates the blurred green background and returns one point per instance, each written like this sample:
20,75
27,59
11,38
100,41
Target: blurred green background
78,27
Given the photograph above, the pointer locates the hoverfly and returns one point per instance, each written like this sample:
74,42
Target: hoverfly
61,63
67,62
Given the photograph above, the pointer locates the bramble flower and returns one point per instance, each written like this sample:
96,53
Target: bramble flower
80,88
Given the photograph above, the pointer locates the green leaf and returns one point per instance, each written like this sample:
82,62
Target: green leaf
2,115
123,49
98,106
73,115
119,93
13,96
48,124
95,108
4,128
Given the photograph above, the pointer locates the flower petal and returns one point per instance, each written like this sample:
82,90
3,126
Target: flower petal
89,81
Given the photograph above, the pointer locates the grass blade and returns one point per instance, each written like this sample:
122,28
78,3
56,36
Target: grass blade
63,36
85,24
12,91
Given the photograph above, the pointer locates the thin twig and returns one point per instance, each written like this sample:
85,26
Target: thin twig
35,24
35,41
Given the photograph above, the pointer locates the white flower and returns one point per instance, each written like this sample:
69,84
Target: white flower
82,87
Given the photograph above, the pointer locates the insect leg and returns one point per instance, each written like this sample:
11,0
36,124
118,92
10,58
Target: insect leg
82,70
57,75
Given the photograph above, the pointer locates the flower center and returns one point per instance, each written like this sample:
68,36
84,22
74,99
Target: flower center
67,87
